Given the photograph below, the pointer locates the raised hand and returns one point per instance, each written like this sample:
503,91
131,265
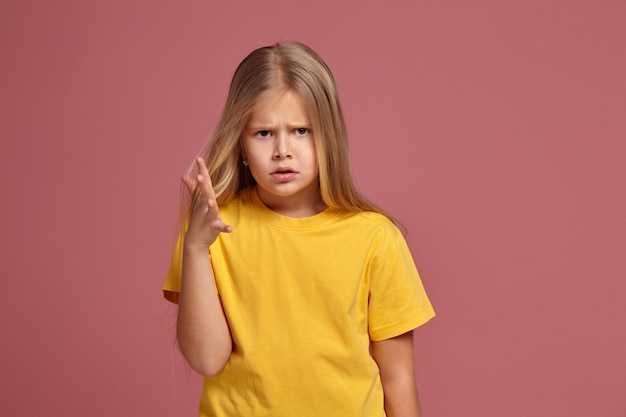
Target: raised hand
202,331
205,223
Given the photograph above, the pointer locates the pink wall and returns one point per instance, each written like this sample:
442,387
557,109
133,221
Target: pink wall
493,130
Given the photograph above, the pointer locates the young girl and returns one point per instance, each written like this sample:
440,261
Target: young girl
297,296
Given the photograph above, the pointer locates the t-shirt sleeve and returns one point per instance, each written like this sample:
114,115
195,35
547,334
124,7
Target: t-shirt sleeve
171,287
398,302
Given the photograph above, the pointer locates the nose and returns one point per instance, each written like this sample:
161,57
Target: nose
282,149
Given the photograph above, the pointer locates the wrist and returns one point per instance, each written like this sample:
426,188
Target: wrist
191,247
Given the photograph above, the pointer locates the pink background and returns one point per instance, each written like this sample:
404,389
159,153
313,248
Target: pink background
493,130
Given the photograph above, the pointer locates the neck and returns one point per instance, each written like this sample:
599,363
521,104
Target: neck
298,206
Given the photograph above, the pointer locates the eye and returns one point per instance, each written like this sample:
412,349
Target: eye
263,133
301,131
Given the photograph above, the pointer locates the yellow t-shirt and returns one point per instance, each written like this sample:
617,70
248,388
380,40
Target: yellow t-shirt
303,298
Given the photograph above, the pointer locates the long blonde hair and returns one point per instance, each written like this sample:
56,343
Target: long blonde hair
298,67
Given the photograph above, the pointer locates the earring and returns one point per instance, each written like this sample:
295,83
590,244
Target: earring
245,160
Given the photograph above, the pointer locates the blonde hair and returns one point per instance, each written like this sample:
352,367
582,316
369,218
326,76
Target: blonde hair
297,67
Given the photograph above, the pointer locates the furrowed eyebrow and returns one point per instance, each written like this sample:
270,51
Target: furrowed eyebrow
291,126
257,128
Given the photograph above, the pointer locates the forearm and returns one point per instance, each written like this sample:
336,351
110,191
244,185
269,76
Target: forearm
395,362
203,334
401,399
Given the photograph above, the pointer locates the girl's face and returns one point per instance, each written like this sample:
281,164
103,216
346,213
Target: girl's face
279,145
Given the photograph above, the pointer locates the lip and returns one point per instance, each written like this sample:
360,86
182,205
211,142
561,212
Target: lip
282,170
284,174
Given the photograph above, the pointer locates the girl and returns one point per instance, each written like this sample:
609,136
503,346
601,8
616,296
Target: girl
297,296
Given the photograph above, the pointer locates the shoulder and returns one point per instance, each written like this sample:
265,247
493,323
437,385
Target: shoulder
371,228
375,219
377,223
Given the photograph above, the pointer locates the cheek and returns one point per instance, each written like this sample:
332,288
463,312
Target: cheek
253,153
315,163
247,145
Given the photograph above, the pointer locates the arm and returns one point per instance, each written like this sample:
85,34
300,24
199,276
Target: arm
202,331
395,361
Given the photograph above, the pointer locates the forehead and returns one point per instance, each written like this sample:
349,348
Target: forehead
277,105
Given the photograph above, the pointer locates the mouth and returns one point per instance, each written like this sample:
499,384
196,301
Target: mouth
284,174
284,171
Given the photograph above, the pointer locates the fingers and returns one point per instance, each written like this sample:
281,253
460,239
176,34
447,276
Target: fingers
224,228
218,223
204,179
201,188
190,184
